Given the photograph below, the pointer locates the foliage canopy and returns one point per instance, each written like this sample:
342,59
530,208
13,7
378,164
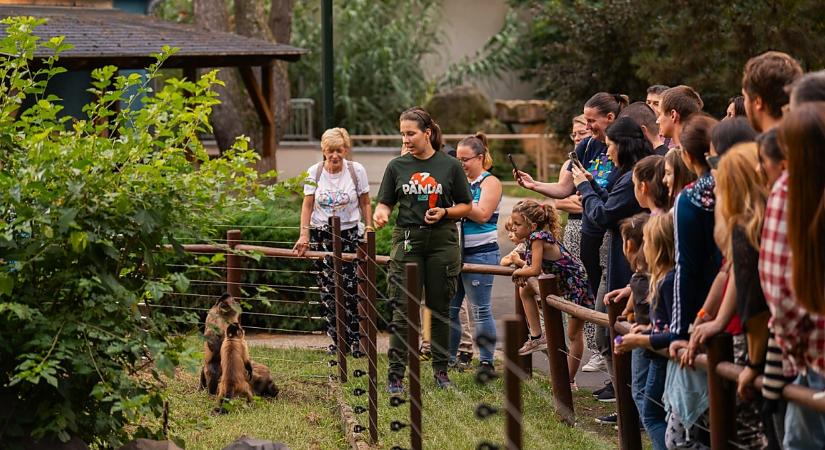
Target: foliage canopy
573,49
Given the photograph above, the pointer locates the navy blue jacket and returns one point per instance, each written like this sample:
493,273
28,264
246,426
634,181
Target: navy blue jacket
607,210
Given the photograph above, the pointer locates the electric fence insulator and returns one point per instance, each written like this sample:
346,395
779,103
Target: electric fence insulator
484,411
396,401
395,425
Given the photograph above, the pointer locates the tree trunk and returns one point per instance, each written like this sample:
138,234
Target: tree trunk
280,25
236,114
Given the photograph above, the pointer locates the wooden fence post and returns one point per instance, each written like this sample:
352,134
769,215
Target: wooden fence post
721,393
556,351
233,264
526,361
513,325
340,309
413,358
629,436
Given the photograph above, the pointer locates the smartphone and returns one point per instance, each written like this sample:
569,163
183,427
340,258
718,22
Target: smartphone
574,159
510,157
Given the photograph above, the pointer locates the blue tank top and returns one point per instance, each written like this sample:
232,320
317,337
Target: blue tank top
480,237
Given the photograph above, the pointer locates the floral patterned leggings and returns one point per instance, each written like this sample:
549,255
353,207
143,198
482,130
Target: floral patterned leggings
321,240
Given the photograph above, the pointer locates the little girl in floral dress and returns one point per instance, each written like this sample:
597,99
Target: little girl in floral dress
539,225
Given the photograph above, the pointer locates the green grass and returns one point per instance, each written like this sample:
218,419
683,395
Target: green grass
305,415
449,420
302,417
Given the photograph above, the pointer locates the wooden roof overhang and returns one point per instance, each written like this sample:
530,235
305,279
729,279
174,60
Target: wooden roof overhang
104,36
108,36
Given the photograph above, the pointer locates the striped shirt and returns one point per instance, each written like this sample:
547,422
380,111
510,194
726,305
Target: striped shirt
477,234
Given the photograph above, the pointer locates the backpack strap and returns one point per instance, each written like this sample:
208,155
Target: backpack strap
352,174
318,172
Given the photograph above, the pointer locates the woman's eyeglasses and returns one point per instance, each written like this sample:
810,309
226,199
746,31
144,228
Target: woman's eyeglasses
466,160
582,134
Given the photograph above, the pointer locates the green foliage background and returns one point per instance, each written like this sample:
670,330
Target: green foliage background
573,49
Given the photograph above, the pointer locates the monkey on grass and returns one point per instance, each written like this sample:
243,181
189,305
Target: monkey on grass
225,311
262,383
235,367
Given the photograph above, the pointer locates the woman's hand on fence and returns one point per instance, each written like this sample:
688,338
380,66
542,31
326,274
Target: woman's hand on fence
301,246
617,295
628,343
744,382
639,328
674,348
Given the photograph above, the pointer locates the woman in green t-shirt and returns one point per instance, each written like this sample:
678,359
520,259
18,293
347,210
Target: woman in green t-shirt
431,192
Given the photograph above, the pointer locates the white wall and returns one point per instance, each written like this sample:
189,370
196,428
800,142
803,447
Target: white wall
466,27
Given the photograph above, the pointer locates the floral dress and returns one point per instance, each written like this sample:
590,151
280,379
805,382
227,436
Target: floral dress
572,277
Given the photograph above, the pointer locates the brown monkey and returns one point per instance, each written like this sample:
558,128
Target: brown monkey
235,366
262,383
225,311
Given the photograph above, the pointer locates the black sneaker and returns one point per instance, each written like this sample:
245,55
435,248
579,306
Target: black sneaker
395,386
442,380
610,419
607,395
607,384
487,368
464,361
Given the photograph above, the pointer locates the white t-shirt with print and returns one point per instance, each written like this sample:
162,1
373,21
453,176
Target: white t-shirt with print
335,193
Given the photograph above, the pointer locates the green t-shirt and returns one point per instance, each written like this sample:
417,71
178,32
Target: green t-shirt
416,185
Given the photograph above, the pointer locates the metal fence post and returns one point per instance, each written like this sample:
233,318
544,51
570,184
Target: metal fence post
721,393
512,382
413,359
629,436
340,309
361,273
233,264
526,361
556,351
372,331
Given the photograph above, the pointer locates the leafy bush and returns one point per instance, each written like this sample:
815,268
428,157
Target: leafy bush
87,206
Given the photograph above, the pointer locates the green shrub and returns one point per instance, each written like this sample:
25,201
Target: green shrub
87,206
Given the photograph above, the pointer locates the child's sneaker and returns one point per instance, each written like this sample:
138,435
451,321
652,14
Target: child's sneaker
442,380
465,359
532,346
395,386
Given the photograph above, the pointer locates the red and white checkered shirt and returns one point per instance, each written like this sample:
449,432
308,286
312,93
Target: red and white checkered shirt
800,334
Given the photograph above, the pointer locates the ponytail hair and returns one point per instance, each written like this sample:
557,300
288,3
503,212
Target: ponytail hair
606,103
651,170
544,216
478,144
418,115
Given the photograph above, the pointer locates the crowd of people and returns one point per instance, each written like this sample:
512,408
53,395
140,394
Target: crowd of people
705,226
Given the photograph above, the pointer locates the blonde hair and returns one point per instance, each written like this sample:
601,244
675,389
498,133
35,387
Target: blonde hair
478,144
742,190
335,138
659,250
580,120
543,215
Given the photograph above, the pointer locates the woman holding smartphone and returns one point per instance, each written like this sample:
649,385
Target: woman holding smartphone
432,192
